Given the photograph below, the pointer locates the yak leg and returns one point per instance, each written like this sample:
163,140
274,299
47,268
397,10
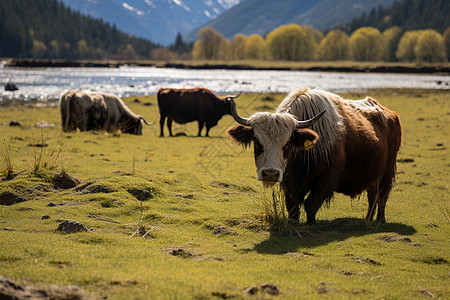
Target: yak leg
169,125
378,195
385,188
314,201
293,207
293,202
200,127
372,196
82,125
162,119
207,130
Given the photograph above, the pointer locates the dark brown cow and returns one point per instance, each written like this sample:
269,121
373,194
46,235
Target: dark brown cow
188,105
97,111
357,149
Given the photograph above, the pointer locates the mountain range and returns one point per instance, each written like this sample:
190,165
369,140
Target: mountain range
262,16
156,20
161,20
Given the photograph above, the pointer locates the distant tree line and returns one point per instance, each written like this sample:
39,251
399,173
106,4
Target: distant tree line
48,29
407,14
303,43
410,30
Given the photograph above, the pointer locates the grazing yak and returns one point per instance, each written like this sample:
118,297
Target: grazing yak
343,146
188,105
97,111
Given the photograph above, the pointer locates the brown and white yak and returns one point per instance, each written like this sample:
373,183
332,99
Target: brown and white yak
343,146
97,111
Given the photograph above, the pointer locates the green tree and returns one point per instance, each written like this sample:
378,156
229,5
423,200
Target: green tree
446,36
406,45
237,46
366,44
210,44
334,46
391,37
289,42
430,47
254,47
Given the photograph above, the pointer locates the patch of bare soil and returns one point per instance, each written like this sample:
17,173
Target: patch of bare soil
10,198
179,252
224,230
265,288
93,188
394,238
71,226
64,181
11,290
141,194
364,260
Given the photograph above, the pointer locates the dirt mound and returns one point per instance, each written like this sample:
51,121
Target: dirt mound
64,181
265,288
179,252
10,290
141,194
71,226
9,198
93,188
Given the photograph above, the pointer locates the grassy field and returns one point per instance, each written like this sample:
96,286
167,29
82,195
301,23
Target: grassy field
181,217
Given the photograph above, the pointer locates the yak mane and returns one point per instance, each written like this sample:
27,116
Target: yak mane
305,103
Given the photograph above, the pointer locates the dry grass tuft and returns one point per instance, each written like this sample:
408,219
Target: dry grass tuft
6,167
274,207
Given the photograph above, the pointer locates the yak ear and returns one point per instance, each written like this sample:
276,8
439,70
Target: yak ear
304,139
243,135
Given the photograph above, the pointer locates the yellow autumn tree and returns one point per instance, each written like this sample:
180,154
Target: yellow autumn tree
237,46
254,47
406,45
289,42
430,47
314,36
334,46
366,44
210,44
391,37
446,36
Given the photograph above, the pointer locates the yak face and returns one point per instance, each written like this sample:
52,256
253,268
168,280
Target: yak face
275,138
133,126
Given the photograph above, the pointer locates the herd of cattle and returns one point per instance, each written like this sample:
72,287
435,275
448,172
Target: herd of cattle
315,144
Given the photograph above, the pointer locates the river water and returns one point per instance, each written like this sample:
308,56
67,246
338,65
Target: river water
49,83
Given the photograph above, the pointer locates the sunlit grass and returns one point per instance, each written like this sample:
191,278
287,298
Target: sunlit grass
207,202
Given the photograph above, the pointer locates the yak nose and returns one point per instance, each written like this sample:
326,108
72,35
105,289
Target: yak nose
270,175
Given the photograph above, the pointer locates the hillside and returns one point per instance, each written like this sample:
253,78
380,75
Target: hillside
408,14
262,16
47,28
155,20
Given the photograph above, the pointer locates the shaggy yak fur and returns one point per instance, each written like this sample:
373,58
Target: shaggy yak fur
97,111
351,148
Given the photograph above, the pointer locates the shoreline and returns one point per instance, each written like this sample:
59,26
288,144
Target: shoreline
348,67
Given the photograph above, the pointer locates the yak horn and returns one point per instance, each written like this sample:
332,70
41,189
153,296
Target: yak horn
310,122
234,97
145,121
237,118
